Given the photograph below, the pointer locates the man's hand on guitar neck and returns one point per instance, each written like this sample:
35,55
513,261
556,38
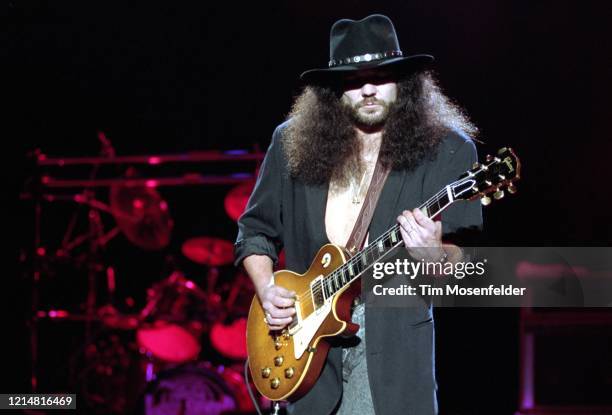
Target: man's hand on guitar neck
276,301
423,238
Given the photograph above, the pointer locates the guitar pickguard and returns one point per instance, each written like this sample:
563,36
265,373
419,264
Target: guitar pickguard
305,330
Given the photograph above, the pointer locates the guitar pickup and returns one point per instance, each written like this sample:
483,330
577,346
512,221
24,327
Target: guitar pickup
295,325
317,294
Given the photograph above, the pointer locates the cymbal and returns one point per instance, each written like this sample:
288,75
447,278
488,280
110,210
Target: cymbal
209,251
236,200
142,215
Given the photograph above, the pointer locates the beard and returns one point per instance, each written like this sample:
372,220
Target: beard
362,115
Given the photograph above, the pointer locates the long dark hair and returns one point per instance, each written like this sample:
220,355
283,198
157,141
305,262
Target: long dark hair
321,144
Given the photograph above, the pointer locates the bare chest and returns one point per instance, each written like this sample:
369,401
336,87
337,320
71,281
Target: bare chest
344,202
340,215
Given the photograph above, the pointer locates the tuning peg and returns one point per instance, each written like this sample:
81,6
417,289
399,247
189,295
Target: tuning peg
502,150
485,200
512,189
498,195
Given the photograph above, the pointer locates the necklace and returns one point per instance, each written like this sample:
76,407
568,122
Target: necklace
358,190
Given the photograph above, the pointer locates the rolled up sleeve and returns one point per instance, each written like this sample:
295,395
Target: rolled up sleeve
260,226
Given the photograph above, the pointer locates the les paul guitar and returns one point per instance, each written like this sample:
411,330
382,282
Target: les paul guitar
285,364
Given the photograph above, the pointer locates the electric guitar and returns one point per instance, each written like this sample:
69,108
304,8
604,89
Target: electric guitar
285,364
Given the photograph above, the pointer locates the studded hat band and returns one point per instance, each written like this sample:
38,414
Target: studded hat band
368,57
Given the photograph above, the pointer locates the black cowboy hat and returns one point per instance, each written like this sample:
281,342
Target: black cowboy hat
364,44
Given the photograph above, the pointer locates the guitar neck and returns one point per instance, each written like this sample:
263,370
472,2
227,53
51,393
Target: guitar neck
357,265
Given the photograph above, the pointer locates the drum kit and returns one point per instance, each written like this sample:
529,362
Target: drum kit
177,314
158,359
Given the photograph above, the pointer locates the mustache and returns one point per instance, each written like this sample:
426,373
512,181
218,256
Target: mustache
370,101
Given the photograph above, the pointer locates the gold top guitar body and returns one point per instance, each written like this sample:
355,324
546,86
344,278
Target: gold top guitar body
286,364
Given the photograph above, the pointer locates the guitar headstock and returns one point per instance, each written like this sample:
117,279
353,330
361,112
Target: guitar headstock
495,175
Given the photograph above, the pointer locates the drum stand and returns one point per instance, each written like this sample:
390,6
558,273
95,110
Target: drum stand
33,323
97,240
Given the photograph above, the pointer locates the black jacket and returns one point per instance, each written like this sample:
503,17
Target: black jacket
284,212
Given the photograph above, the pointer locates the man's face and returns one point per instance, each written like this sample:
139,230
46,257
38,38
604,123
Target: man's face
369,95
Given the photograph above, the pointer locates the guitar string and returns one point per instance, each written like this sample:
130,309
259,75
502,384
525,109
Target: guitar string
331,279
337,272
307,294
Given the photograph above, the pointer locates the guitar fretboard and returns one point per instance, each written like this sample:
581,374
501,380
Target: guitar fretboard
328,286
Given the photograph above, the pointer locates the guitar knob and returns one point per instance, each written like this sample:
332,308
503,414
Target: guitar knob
265,372
489,158
278,360
289,372
278,343
498,195
512,189
485,200
475,165
275,383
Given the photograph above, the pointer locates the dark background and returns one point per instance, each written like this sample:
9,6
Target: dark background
163,77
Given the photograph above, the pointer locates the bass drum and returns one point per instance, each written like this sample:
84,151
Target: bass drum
198,389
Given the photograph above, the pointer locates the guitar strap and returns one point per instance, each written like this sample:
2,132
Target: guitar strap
360,230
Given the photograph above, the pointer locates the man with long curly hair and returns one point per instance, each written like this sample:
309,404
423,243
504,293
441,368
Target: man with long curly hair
371,105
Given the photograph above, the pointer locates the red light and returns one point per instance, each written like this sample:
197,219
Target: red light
137,204
151,183
154,160
57,313
110,279
41,251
